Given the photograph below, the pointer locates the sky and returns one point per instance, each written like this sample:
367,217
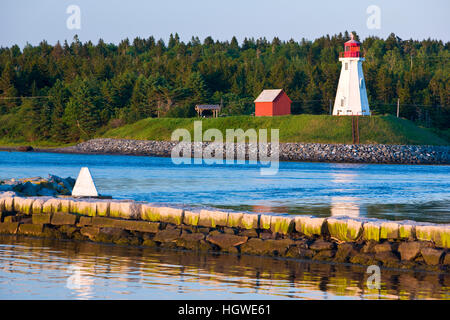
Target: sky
31,21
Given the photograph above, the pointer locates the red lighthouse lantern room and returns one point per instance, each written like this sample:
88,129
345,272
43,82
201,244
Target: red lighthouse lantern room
352,48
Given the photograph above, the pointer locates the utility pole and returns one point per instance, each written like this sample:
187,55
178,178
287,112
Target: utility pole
398,107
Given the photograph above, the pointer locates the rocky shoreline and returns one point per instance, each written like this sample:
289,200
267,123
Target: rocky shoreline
309,152
391,244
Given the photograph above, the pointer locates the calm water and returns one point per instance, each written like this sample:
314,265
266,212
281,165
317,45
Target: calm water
46,269
394,192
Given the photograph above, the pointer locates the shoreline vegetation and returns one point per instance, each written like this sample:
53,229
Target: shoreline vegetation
304,128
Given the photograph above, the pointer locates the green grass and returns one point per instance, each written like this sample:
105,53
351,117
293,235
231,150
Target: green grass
293,128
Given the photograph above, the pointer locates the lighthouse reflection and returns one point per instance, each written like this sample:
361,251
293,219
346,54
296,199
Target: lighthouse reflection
342,205
346,206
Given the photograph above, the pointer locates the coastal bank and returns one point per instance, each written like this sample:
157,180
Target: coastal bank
391,244
309,152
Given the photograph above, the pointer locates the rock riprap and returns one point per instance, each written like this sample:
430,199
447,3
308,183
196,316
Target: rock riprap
38,186
394,244
316,152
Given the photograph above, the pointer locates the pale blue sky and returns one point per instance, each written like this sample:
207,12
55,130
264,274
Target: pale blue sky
23,21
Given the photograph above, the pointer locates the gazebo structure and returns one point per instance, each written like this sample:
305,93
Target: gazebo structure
215,108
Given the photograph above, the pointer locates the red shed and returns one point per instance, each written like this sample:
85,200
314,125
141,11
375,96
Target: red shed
274,102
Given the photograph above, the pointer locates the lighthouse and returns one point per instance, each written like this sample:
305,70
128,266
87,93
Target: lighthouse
351,95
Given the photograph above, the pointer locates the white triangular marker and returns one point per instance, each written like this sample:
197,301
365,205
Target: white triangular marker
84,186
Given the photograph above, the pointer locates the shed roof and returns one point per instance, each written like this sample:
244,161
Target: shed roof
208,106
268,95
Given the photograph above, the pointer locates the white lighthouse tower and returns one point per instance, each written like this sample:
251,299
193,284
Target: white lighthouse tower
351,95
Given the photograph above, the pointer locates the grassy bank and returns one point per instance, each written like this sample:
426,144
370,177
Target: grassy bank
294,128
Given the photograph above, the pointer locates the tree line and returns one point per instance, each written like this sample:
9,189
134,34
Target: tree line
71,91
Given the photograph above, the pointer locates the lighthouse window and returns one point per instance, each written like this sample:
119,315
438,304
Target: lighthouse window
361,84
346,66
342,102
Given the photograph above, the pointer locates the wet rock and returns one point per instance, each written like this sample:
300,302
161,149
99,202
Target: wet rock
68,230
320,245
30,189
265,234
31,229
446,260
324,255
345,251
382,247
410,250
229,230
109,234
432,256
9,227
251,233
85,221
149,243
6,187
194,237
388,258
167,235
41,218
225,240
266,247
364,259
46,192
13,218
132,225
299,253
90,232
61,218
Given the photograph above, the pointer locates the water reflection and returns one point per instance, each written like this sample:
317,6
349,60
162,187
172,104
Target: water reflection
39,268
346,206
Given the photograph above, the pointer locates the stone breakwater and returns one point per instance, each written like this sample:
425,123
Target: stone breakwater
399,244
315,152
